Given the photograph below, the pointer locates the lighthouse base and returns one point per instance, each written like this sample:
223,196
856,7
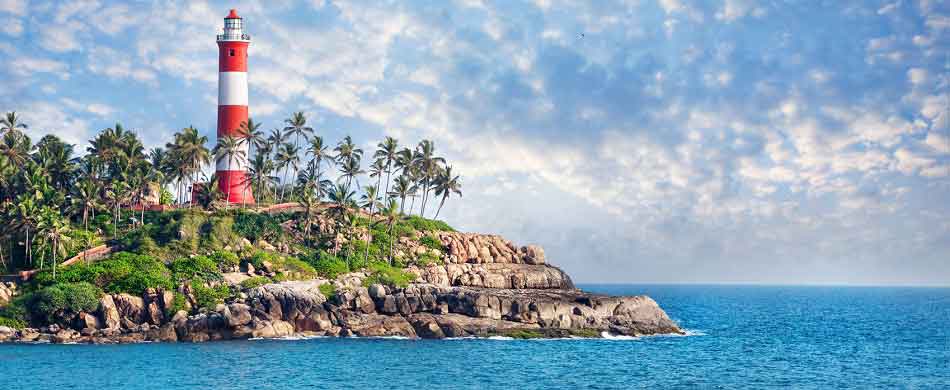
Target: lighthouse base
236,186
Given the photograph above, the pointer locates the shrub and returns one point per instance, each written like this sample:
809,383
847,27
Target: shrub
428,225
65,298
255,282
122,272
15,323
259,257
208,297
178,304
221,233
431,242
328,290
225,260
298,268
188,268
382,273
329,266
257,226
165,197
428,258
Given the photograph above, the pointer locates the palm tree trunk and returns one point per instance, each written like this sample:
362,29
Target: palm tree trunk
391,224
386,195
412,205
402,204
29,248
440,207
54,257
227,200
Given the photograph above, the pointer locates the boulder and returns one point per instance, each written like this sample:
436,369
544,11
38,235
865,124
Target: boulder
130,307
65,336
532,254
108,313
86,320
237,314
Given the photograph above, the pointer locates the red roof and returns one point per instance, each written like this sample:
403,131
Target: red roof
232,15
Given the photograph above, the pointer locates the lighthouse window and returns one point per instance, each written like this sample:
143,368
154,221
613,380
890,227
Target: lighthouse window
231,52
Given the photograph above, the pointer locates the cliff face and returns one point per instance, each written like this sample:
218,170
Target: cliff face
486,286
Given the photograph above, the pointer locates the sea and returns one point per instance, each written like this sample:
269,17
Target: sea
793,337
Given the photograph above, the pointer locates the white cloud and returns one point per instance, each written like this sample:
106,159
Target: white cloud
909,163
15,7
11,26
25,66
116,65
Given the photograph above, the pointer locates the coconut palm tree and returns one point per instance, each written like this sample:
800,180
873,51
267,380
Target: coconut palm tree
16,147
350,170
229,148
286,157
401,189
54,229
429,167
320,154
11,123
347,150
376,169
297,126
341,199
445,186
191,152
389,216
388,152
259,172
25,211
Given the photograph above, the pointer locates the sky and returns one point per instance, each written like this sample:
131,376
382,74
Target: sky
735,141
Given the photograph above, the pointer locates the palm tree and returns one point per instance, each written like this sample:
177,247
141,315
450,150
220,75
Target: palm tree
297,126
25,211
320,153
16,147
388,152
286,157
229,148
11,123
370,199
341,199
446,185
390,216
350,170
429,167
347,150
193,152
259,173
376,170
402,189
54,229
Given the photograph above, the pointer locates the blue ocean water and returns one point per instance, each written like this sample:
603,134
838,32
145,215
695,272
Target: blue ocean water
742,337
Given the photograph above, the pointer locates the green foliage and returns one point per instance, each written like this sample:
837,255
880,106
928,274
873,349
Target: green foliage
382,273
196,267
297,268
221,233
63,298
328,290
122,272
255,282
428,225
432,242
225,260
257,226
328,265
103,222
428,259
259,257
208,297
524,334
165,197
15,323
179,303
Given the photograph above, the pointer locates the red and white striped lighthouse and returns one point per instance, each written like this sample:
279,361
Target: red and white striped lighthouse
232,106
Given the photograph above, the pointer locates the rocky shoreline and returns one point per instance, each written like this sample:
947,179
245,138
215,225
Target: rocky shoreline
486,287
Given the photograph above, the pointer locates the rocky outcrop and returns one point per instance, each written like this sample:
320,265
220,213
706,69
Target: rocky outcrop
486,286
6,292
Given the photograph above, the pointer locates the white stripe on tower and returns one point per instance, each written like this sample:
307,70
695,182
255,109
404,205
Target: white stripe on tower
233,89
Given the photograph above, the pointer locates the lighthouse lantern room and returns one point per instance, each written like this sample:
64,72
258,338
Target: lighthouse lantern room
232,108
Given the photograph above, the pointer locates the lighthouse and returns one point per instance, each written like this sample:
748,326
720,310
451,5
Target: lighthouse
232,107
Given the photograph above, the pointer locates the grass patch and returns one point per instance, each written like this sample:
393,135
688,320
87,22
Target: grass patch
12,323
431,242
254,282
124,272
524,334
382,273
328,290
208,297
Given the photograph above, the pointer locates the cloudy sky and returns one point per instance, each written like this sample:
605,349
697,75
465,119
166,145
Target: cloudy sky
781,141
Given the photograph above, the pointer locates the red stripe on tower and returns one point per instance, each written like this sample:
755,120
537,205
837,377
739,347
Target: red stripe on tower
232,107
